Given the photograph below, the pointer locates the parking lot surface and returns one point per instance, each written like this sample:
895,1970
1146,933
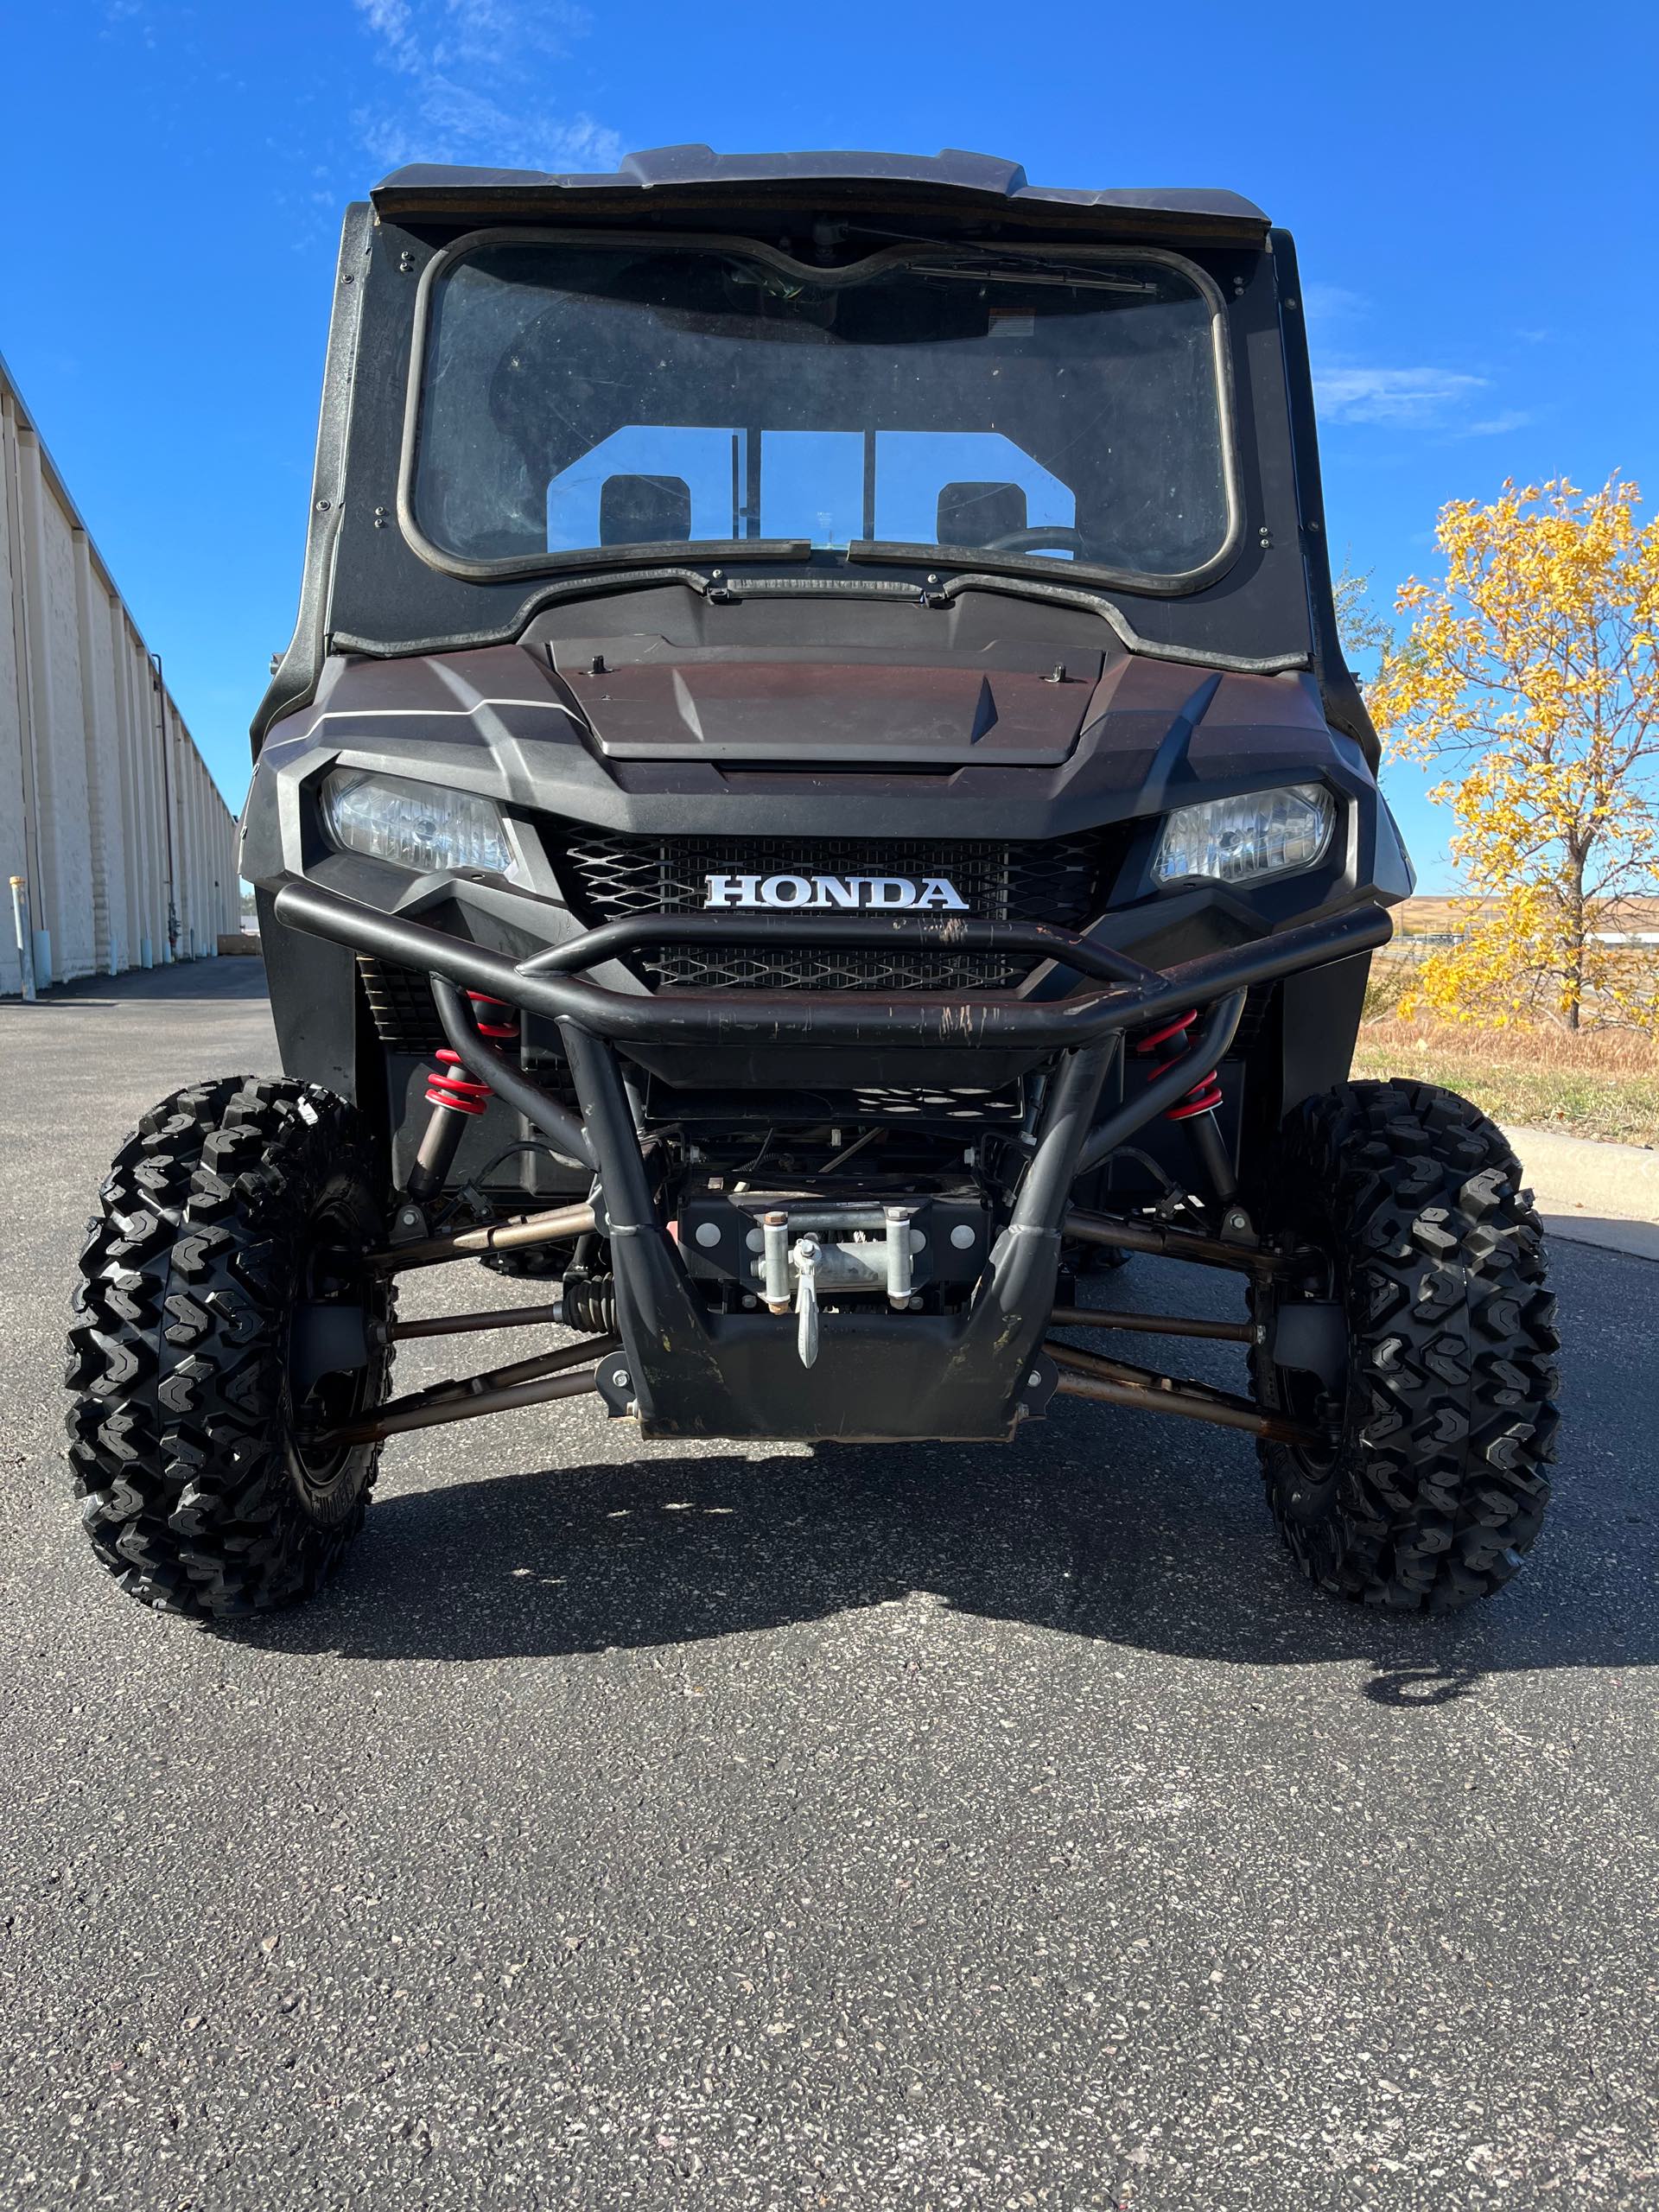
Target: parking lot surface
772,1827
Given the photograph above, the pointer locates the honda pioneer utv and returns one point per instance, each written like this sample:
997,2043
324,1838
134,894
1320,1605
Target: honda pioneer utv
814,801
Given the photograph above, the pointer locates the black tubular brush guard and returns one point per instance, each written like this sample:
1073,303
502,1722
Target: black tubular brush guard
687,1372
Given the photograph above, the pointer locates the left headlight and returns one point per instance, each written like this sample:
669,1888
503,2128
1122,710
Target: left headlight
1239,839
419,826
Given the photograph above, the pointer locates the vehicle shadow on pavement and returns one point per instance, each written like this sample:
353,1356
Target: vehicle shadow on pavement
1170,1550
230,979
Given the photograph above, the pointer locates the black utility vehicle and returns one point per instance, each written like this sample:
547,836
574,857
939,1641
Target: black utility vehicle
815,803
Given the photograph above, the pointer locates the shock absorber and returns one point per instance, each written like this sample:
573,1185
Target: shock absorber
456,1096
1197,1108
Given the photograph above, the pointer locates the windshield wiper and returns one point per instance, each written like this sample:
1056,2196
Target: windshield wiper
1042,273
982,258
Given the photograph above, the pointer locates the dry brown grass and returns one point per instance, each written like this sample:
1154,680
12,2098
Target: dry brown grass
1428,915
1596,1083
1592,1052
1600,1081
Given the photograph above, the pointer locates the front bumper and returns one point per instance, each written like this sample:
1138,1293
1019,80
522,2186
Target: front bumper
686,1371
1120,992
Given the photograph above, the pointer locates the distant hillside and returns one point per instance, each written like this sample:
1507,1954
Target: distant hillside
1445,918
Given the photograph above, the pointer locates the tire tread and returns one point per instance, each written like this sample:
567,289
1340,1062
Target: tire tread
1440,1485
177,1434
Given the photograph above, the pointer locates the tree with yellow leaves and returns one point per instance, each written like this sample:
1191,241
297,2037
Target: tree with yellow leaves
1531,674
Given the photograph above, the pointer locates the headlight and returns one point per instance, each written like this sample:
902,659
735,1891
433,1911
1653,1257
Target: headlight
1236,839
420,826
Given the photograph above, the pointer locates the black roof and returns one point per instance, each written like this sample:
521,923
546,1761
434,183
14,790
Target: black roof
688,175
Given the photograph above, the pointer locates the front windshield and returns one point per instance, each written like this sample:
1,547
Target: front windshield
578,400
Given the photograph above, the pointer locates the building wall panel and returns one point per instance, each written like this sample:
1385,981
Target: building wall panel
107,809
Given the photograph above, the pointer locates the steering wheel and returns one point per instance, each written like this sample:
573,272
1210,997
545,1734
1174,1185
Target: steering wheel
1041,538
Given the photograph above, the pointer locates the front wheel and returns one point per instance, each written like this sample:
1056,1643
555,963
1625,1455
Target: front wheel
1420,1336
225,1321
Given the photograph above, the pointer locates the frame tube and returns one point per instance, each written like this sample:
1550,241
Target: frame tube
1099,1391
1143,1378
1172,1082
473,1243
1150,1325
398,1419
460,1325
741,925
1171,1243
561,1129
936,1018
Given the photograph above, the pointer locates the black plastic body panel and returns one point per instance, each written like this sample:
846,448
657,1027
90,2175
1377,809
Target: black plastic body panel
501,721
314,1003
497,723
953,186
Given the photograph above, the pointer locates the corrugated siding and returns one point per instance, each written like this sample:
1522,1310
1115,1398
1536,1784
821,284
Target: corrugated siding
106,808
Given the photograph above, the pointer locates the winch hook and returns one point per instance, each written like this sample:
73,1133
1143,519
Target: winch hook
805,1257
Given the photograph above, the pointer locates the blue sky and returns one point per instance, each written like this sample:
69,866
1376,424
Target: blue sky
1472,188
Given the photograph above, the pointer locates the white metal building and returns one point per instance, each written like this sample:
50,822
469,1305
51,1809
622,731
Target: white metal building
126,851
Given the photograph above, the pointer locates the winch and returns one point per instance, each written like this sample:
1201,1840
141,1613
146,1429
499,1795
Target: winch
845,1249
786,1250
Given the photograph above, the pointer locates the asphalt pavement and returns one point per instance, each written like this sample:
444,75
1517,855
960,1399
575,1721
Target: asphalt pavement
634,1826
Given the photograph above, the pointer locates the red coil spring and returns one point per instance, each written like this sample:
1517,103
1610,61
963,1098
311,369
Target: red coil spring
449,1084
1205,1094
495,1018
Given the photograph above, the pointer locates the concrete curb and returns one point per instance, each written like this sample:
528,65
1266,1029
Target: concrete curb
1593,1193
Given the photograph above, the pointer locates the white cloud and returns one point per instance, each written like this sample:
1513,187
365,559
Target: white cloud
466,92
485,31
1350,389
1411,398
1333,303
130,15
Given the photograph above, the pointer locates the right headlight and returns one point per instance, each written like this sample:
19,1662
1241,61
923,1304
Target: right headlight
420,826
1240,840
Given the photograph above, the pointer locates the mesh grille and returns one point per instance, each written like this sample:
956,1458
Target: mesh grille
1061,880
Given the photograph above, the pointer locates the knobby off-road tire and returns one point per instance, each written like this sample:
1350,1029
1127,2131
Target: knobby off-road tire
230,1202
1436,1486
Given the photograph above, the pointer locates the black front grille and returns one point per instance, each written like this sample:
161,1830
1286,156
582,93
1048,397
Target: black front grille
1059,879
